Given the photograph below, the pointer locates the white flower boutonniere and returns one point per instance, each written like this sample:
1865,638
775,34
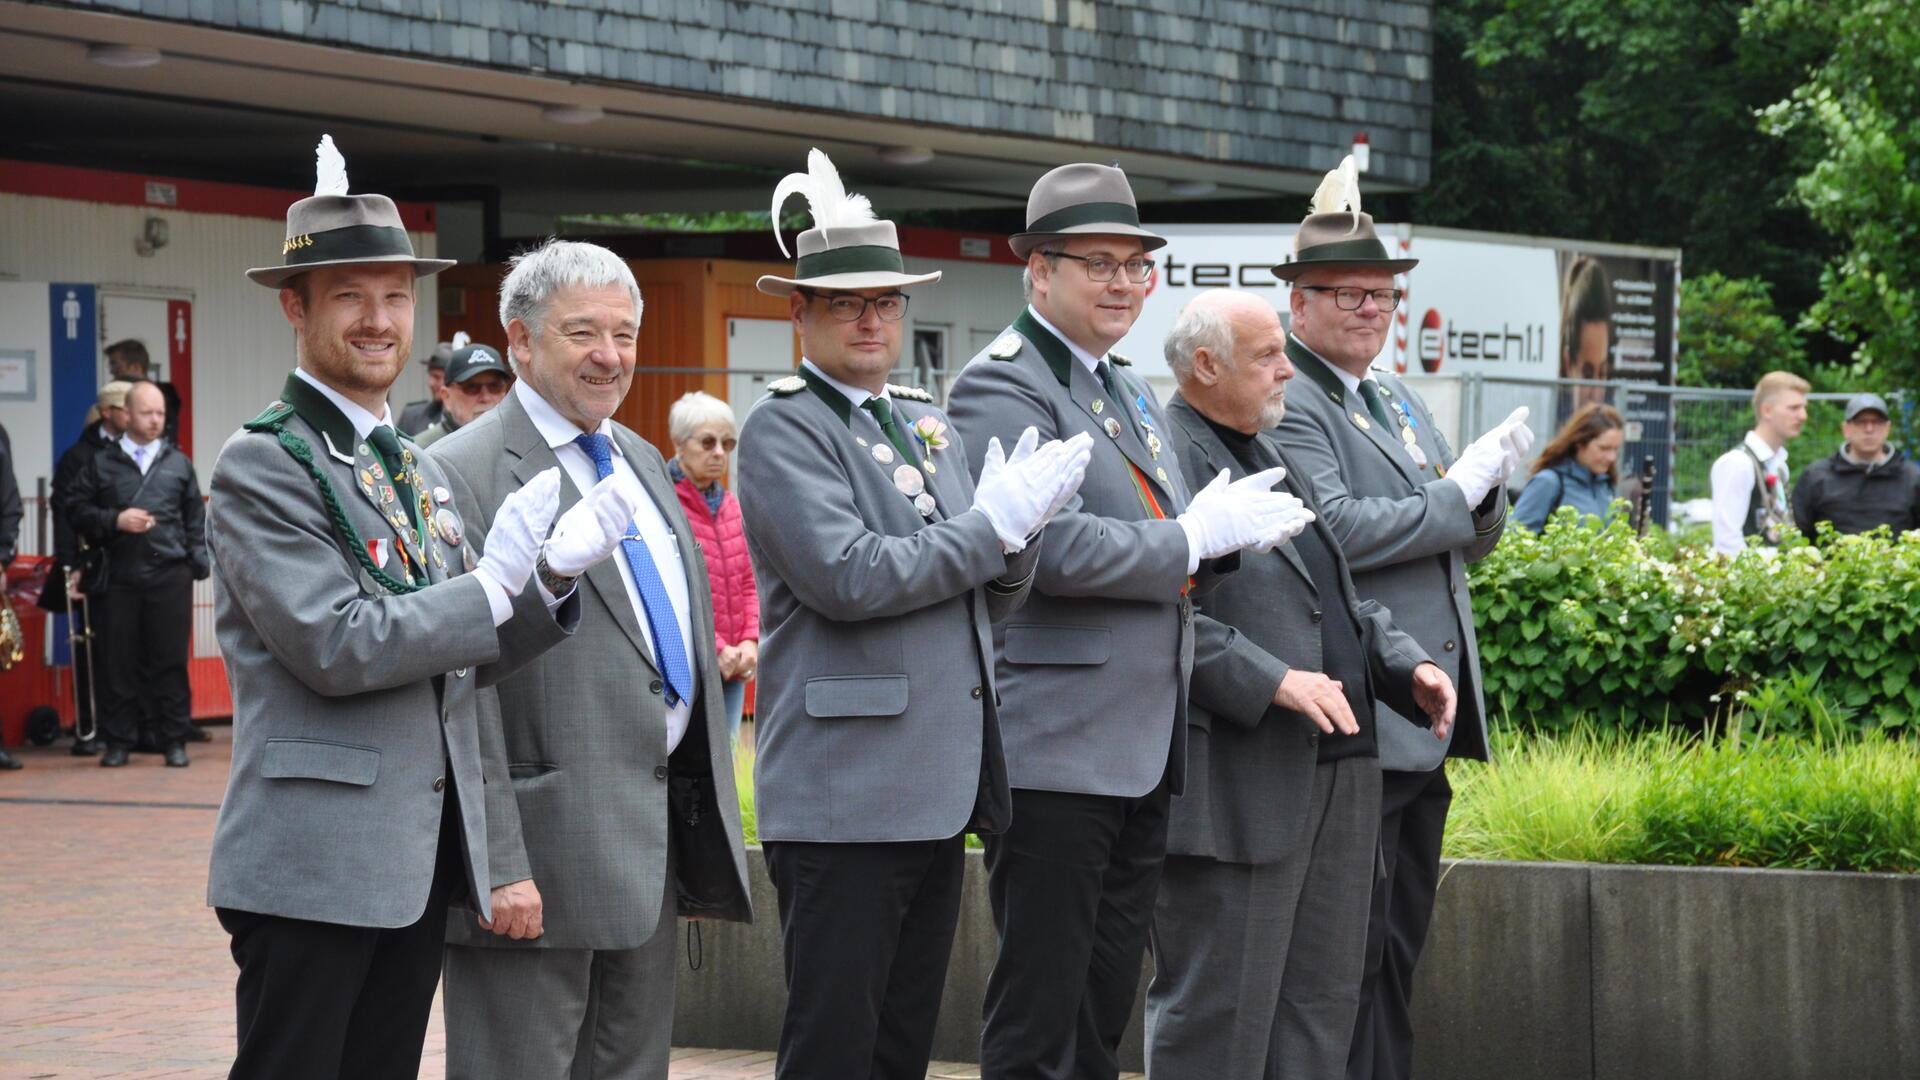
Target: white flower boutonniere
931,433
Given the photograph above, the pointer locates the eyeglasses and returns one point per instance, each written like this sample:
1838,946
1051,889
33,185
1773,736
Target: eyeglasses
845,307
708,442
1101,268
1349,298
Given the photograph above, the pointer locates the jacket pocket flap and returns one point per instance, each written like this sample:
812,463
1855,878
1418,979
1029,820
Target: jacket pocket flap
857,695
312,759
1033,644
525,770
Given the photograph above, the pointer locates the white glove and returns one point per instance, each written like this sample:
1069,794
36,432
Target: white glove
1225,517
1519,437
1493,458
593,527
513,542
1294,521
1020,494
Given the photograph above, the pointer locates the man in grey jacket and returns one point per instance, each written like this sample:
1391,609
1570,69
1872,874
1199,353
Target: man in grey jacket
610,800
881,565
1260,927
357,627
1409,516
1093,671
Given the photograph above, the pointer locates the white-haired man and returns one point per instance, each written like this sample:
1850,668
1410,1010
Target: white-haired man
610,799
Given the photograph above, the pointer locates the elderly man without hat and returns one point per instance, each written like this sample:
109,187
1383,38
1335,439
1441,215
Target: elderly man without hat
1093,671
881,564
1260,927
358,627
1409,516
610,799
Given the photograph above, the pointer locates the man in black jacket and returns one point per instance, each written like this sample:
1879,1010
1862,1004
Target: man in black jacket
140,500
1866,483
129,362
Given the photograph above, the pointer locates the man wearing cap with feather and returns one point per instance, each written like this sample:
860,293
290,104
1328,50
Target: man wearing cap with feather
881,564
1409,516
358,628
1093,671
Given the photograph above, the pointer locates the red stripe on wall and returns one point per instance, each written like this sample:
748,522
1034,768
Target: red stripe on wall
168,192
921,243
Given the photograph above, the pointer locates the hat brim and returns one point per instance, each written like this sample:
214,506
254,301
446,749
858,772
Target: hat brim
274,277
1024,243
1288,271
482,369
775,285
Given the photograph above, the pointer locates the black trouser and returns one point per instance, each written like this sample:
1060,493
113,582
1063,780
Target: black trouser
1413,817
321,1001
866,930
1072,885
145,683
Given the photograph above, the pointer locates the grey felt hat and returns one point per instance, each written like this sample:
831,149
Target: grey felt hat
333,228
847,248
1336,233
1082,200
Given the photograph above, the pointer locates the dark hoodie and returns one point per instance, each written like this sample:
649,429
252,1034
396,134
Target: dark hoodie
1857,498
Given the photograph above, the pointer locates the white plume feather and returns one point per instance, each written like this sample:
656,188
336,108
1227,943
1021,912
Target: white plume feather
1340,191
461,340
826,195
331,168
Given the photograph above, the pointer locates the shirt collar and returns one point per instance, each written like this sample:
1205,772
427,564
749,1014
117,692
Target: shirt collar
1773,458
128,444
853,393
1347,378
1087,359
556,429
363,421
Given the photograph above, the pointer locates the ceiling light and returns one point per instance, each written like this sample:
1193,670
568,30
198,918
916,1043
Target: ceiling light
572,114
123,56
1192,189
906,155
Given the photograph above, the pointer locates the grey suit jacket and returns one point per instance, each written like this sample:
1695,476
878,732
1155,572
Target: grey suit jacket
574,745
1094,669
877,716
1250,762
1407,533
351,704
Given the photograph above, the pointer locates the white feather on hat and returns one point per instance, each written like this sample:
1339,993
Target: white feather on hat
330,167
1339,191
827,198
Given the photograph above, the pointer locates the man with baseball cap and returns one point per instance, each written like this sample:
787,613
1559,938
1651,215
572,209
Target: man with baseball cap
358,626
1867,483
477,380
1093,671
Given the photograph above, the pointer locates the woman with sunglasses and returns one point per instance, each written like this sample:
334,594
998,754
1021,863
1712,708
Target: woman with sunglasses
704,436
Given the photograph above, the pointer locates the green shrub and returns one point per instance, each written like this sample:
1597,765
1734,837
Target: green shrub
1600,795
1586,620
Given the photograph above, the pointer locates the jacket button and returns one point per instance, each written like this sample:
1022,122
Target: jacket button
1313,740
1315,617
654,686
976,693
1448,646
659,772
439,783
460,673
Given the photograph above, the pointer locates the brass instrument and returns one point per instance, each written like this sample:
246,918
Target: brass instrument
12,637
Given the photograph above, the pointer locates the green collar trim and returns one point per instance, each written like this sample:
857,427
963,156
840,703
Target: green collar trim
326,417
826,392
1309,364
1058,357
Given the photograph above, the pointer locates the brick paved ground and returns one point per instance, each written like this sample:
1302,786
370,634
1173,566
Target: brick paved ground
110,962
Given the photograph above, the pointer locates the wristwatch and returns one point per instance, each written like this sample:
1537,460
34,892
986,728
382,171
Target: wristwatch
554,583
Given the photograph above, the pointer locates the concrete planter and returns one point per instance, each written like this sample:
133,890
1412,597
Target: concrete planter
1569,971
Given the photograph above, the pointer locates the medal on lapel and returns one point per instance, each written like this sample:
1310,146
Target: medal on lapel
1361,422
1113,428
923,502
442,495
883,453
377,550
448,525
909,481
1097,406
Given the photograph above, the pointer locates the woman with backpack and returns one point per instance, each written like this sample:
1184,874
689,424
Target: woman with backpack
1579,468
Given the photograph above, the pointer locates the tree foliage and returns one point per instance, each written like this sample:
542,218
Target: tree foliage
1730,333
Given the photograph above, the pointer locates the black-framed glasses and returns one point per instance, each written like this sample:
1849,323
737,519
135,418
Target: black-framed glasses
847,307
1349,298
1102,269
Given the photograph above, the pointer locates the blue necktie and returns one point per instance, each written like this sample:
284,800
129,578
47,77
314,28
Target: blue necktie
670,653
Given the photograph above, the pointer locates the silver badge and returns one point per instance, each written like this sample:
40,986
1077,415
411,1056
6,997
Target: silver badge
923,502
860,440
449,526
883,453
1113,428
441,495
909,481
1418,455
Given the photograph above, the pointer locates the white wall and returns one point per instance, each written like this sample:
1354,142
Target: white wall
242,349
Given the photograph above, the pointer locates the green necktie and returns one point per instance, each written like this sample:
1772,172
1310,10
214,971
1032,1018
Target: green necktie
882,411
387,445
1371,392
1105,373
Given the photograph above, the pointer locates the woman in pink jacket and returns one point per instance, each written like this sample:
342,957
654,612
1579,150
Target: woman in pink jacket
704,435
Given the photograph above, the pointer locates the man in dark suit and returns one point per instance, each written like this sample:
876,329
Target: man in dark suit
1260,925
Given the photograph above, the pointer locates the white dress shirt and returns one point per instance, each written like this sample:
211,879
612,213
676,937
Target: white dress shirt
853,393
1087,359
499,604
141,453
652,525
1733,484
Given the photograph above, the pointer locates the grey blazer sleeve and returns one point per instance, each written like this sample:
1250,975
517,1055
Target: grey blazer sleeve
1392,655
1232,677
1007,593
1377,531
285,569
866,575
1084,555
